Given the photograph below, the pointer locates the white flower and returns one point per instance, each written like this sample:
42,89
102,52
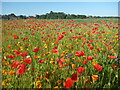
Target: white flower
28,56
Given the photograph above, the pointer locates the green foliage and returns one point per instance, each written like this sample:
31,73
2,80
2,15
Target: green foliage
51,15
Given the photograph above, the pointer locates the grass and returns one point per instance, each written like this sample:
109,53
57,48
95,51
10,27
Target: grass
95,37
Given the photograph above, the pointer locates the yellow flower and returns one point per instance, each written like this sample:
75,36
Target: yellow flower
47,52
52,44
94,63
94,77
47,79
79,60
61,55
51,58
76,39
51,62
7,63
36,57
72,51
73,58
21,61
67,59
76,42
4,83
9,79
56,87
65,64
102,48
38,83
46,47
53,72
18,42
59,82
4,72
84,56
11,73
12,60
72,73
103,41
66,50
21,48
73,66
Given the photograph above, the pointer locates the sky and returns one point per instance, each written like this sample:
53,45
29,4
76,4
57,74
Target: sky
81,8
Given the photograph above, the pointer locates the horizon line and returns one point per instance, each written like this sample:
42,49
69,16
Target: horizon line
64,13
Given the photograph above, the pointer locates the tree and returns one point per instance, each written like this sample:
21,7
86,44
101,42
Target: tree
5,17
50,15
12,16
37,16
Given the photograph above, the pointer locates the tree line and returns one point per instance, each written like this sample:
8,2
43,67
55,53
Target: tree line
51,15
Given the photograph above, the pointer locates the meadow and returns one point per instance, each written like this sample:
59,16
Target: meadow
60,53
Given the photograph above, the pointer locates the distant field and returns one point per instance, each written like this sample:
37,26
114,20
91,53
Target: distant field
79,53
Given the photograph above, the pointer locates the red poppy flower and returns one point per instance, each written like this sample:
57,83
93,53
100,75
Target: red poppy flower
24,54
36,50
112,57
89,45
15,64
103,32
18,52
109,48
71,31
57,33
80,36
60,63
57,60
11,56
55,48
60,37
41,61
84,62
27,60
25,38
22,66
91,48
68,83
64,32
82,45
96,24
74,77
90,58
21,69
32,69
33,34
62,59
91,41
80,70
79,53
55,51
15,37
98,67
